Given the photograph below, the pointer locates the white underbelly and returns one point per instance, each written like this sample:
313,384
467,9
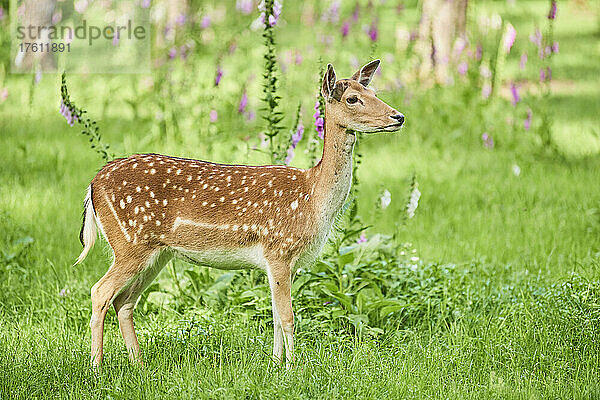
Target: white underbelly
241,258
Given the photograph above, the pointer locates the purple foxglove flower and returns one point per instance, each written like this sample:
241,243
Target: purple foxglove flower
536,38
486,91
523,61
218,75
345,29
509,39
277,9
180,20
479,51
362,238
244,6
527,122
184,51
213,115
555,47
542,75
515,94
290,155
333,13
172,53
297,136
272,20
145,4
373,32
67,113
320,126
56,17
298,59
3,94
243,103
1,13
356,12
459,47
319,122
205,22
80,6
552,12
462,68
250,116
488,141
485,71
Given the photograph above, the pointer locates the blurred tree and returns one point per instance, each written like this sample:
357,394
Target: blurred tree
36,14
443,22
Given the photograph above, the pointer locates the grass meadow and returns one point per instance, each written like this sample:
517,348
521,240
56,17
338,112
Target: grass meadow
492,289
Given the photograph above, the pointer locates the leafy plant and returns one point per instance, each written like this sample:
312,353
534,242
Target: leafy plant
273,116
90,129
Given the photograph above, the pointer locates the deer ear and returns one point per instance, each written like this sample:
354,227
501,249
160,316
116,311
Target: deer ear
328,82
365,74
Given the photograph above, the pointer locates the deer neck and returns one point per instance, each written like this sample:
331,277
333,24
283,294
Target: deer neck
333,174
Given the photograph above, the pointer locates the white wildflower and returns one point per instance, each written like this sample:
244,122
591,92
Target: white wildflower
495,21
413,203
385,199
516,170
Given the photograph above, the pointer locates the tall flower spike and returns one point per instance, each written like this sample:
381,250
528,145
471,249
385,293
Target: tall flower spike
243,102
296,137
515,94
373,32
527,122
552,12
218,75
319,122
523,61
345,29
509,38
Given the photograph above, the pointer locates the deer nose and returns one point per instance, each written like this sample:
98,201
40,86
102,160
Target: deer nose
398,117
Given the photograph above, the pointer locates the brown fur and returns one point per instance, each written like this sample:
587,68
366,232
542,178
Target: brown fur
276,217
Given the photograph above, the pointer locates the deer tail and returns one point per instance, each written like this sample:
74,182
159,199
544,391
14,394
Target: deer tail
89,228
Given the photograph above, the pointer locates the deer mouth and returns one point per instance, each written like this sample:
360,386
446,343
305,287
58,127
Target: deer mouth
390,128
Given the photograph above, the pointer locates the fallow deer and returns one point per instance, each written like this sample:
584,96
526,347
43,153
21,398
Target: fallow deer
152,207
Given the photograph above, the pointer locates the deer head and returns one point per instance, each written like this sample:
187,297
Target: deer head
355,107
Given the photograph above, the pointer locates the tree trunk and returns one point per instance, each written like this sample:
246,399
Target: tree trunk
37,13
443,22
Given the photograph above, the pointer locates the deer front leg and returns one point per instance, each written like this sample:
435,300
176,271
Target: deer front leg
283,316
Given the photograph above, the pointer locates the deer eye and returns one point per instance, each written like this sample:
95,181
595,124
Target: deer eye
352,100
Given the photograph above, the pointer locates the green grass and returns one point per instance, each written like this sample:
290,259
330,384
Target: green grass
507,291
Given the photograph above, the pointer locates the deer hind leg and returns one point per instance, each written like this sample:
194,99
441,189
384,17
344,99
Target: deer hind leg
122,271
280,283
125,303
277,335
